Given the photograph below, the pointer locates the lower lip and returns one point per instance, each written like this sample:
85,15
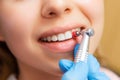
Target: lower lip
59,47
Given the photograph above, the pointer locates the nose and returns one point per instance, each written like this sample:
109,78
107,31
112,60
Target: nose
53,8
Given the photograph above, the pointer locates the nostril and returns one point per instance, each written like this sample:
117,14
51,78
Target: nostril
52,14
67,10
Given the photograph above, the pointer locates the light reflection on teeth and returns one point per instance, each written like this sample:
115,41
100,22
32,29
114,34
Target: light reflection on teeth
60,37
54,38
68,35
48,38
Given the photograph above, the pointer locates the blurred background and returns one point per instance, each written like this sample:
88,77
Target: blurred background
111,37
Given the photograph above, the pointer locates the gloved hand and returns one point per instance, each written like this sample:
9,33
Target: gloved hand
81,70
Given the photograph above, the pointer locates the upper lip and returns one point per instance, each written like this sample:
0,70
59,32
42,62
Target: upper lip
61,29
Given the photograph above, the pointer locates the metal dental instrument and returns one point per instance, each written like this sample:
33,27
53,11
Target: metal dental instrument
82,52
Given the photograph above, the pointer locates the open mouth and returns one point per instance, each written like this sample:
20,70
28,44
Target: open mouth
61,36
60,40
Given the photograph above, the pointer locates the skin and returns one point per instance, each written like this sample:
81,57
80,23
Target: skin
24,20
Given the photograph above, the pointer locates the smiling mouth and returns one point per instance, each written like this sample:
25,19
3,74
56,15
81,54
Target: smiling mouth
60,36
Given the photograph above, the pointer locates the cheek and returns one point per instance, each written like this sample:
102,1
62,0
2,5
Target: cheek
93,9
16,22
12,29
17,29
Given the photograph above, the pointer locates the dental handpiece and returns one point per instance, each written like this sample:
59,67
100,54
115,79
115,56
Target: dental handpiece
82,51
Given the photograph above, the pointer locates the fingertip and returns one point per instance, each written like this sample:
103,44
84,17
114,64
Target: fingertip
94,65
75,49
65,65
92,59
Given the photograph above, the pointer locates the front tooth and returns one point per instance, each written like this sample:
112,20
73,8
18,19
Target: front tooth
45,39
48,38
68,35
78,29
54,38
61,37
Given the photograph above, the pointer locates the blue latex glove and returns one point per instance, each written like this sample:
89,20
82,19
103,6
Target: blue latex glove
81,70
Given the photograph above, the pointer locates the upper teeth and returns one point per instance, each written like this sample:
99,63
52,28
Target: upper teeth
60,37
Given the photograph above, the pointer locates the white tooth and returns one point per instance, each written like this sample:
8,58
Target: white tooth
61,37
45,39
54,38
78,29
48,38
68,35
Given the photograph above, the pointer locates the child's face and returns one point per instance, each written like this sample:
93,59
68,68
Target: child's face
25,22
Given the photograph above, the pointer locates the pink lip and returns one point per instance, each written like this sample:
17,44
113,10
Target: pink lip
64,46
60,47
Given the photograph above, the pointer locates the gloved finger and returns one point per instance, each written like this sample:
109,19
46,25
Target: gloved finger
93,64
92,61
98,76
94,72
75,49
93,67
65,65
78,71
